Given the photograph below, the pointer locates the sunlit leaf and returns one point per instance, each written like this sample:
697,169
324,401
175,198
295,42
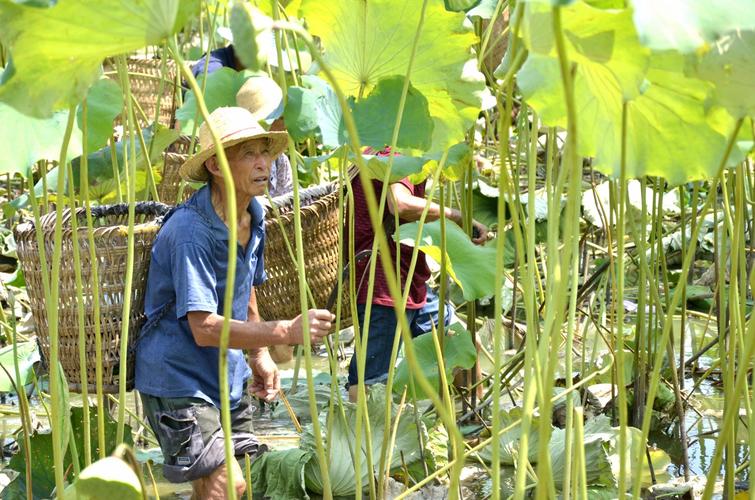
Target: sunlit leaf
669,110
470,265
367,41
460,5
251,35
33,139
458,352
730,65
686,25
58,51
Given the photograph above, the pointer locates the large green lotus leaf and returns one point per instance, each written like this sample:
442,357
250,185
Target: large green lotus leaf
376,116
41,138
603,43
403,166
104,103
32,139
671,132
471,266
251,35
280,474
367,41
460,5
341,447
109,477
220,90
58,51
314,108
42,471
458,352
689,24
730,65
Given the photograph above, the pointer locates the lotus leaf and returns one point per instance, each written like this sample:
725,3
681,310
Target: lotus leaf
666,110
686,25
109,477
469,265
458,352
368,41
58,51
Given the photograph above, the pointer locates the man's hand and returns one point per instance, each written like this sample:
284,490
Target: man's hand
479,233
266,381
320,323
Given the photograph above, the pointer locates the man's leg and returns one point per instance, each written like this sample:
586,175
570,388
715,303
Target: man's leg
191,438
379,338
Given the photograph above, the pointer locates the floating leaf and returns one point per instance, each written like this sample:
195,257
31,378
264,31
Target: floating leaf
367,41
469,265
58,51
458,352
109,477
689,24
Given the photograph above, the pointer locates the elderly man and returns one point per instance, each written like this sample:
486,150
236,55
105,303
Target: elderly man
177,356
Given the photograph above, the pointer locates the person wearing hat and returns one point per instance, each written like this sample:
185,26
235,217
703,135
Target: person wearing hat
263,98
177,355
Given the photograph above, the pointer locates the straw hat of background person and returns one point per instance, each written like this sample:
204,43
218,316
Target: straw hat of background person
233,125
262,97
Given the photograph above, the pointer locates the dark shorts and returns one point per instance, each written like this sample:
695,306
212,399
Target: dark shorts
191,437
381,331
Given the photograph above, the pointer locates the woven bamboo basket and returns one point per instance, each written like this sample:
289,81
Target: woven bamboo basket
111,246
145,78
277,298
173,158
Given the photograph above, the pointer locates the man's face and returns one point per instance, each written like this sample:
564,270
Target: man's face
250,164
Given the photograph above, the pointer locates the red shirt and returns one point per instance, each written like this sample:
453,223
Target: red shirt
363,239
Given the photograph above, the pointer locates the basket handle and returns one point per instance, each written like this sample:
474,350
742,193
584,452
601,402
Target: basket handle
141,208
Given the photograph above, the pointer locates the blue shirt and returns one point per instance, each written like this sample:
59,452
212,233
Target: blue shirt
219,58
188,273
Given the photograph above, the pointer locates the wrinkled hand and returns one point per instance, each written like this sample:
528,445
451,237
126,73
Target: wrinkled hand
479,233
320,323
266,381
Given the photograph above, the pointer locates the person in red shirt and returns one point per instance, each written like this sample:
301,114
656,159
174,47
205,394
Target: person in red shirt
408,201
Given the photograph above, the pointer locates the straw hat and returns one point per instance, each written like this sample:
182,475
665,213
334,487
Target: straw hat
233,125
262,97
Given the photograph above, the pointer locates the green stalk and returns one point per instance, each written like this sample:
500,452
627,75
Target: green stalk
619,305
95,287
80,310
51,306
130,169
230,210
716,462
23,402
558,274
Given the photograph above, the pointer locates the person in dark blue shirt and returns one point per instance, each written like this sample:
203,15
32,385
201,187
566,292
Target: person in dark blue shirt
177,355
